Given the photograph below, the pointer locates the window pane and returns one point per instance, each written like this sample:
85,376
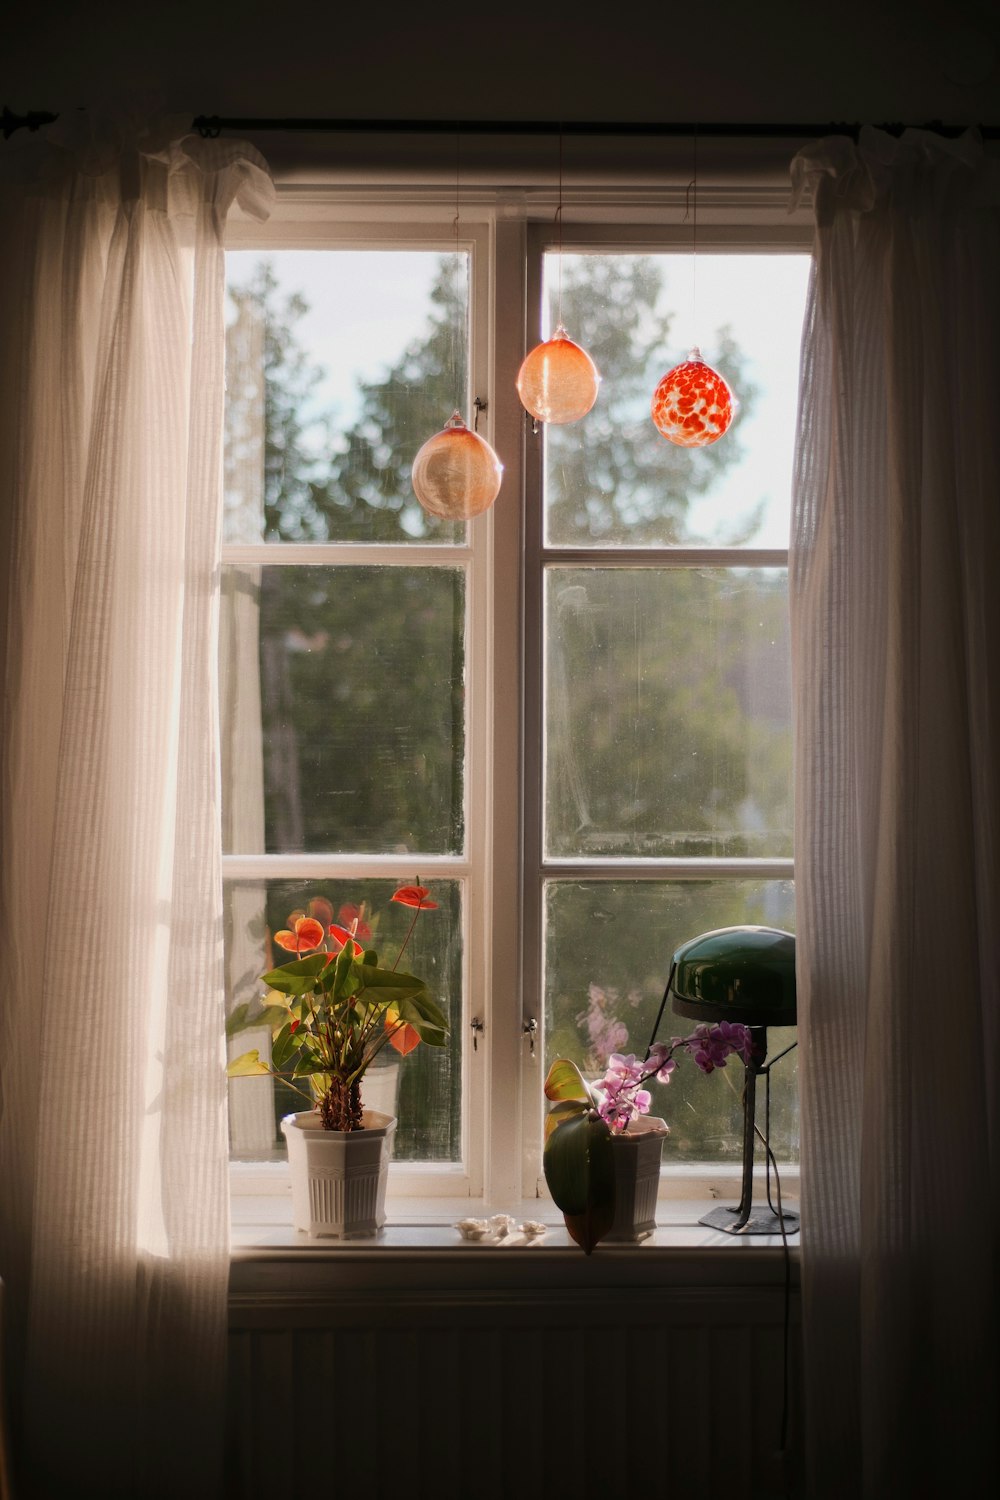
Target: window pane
611,479
423,1089
339,365
667,713
342,696
608,947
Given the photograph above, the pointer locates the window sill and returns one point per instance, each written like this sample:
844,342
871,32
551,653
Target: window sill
420,1246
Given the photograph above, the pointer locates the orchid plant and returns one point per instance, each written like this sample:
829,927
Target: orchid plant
586,1117
333,1008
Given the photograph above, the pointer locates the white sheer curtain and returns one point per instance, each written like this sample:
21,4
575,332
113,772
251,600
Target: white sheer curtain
114,1232
895,576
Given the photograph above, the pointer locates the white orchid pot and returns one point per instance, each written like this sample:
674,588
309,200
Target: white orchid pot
637,1154
338,1176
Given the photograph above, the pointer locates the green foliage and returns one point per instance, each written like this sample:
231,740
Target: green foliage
580,1172
345,1009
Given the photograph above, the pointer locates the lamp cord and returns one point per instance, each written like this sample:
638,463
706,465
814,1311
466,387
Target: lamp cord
663,1005
786,1256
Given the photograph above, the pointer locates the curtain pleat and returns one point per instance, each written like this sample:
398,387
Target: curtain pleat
114,1238
896,660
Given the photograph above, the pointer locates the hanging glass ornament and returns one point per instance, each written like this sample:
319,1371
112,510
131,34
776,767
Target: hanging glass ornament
456,475
692,405
558,381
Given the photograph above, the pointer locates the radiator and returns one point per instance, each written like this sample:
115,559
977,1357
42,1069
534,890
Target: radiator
492,1393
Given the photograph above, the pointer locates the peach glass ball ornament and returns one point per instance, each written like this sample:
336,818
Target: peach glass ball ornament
456,475
558,380
692,405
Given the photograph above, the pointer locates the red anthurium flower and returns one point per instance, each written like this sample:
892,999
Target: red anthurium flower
307,933
320,908
340,936
293,1027
414,895
353,917
404,1036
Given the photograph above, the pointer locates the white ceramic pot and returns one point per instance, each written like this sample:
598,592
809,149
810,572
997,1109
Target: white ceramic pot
637,1179
338,1176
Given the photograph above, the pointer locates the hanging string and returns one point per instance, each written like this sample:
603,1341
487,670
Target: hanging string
455,337
559,226
691,211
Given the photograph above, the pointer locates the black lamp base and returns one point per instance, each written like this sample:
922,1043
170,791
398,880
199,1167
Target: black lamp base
761,1221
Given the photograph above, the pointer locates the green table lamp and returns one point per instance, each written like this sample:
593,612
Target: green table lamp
744,974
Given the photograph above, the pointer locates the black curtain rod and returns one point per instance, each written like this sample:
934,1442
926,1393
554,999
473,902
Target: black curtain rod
213,125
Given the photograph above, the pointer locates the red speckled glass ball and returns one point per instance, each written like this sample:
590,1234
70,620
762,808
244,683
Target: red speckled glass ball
456,475
692,405
558,380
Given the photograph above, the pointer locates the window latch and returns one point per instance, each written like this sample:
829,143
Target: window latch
477,1028
530,1029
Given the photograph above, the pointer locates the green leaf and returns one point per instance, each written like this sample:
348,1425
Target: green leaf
370,959
284,1046
296,978
564,1110
565,1081
425,1018
343,975
580,1171
248,1065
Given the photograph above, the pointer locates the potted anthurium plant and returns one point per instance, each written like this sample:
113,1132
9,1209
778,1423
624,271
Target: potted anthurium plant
602,1149
332,1009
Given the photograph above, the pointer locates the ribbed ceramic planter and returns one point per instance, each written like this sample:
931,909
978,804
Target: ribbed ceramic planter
338,1176
637,1179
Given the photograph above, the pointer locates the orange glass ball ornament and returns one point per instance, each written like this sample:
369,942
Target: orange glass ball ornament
456,475
558,381
692,405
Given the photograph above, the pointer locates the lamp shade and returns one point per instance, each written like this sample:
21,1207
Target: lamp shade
744,974
456,475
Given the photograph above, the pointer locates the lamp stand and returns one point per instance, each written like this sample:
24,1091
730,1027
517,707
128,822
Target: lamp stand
744,1219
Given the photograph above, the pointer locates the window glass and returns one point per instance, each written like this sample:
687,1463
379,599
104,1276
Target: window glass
339,365
424,1089
343,709
611,479
608,947
667,718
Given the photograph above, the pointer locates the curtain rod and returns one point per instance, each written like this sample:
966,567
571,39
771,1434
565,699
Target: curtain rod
213,125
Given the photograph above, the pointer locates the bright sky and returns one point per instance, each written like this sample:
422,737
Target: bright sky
366,306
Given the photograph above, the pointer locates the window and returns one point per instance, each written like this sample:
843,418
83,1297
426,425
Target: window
570,718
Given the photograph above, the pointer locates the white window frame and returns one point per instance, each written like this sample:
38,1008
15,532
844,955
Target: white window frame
502,871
